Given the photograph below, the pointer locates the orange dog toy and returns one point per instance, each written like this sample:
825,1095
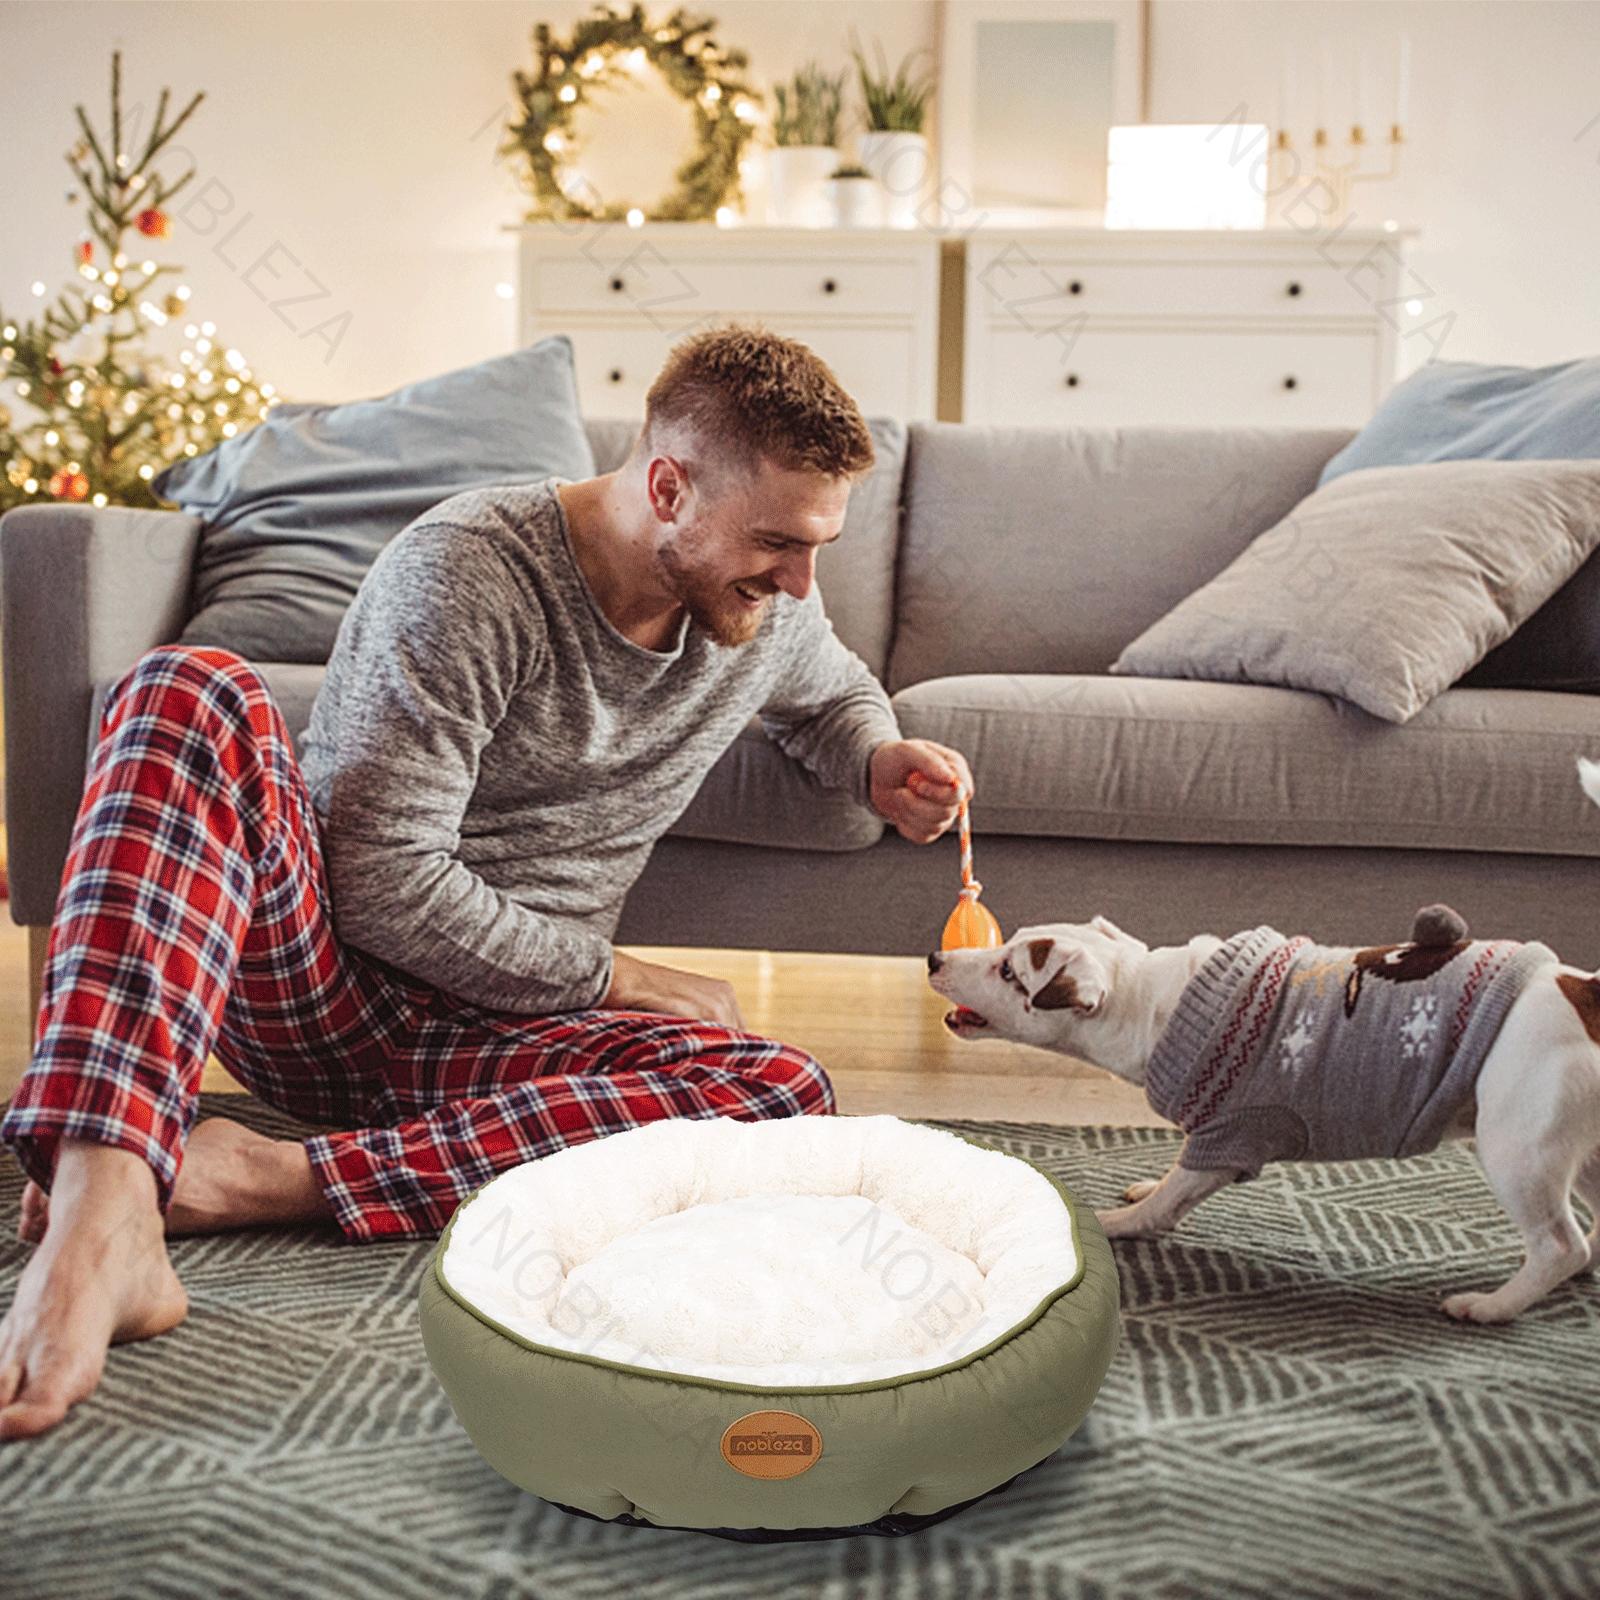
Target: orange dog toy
971,926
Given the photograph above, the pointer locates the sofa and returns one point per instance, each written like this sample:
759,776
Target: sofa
989,576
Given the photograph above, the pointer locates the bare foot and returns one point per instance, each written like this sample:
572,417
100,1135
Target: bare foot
234,1177
99,1277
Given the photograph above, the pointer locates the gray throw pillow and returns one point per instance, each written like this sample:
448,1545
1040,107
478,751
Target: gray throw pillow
297,508
1386,585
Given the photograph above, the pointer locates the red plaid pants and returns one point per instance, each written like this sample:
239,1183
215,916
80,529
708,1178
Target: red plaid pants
194,917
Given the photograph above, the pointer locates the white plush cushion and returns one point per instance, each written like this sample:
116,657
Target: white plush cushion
799,1251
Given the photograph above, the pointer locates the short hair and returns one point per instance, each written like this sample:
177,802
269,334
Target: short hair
746,392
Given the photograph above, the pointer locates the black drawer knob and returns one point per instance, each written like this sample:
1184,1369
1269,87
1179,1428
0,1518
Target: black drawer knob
830,285
1075,287
615,374
1294,288
1072,380
1291,382
616,285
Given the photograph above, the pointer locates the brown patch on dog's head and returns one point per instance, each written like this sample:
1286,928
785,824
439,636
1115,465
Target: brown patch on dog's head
1039,952
1584,994
1061,994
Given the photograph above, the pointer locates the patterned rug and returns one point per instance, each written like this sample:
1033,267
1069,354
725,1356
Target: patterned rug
1288,1416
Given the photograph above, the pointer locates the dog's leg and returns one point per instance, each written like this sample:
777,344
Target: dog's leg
1166,1204
1533,1182
1587,1185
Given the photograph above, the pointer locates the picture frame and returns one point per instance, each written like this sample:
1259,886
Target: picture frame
1036,155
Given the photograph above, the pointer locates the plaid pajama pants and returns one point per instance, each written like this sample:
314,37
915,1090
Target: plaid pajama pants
194,917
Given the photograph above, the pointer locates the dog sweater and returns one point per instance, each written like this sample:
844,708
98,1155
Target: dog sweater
1280,1048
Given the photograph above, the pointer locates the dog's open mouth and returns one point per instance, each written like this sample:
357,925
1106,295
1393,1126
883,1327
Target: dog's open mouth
964,1016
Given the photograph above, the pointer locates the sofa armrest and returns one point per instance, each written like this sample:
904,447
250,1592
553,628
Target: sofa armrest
84,592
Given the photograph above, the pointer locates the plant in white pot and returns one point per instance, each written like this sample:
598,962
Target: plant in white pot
805,133
855,196
894,148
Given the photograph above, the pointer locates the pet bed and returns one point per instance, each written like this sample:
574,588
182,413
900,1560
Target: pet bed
798,1328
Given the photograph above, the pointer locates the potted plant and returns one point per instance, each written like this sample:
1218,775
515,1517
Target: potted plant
855,197
805,133
894,148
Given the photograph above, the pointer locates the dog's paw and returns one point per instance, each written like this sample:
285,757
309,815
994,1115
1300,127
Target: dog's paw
1125,1222
1138,1191
1476,1307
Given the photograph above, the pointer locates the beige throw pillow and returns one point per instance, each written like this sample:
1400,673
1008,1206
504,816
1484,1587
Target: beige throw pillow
1386,585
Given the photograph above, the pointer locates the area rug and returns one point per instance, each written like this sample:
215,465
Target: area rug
1288,1416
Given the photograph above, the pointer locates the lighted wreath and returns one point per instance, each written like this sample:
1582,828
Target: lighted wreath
602,47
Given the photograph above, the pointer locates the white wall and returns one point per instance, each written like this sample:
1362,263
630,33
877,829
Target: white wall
345,151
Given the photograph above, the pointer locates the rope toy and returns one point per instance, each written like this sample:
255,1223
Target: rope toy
971,926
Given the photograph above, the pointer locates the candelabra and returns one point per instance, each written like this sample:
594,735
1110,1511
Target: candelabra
1337,177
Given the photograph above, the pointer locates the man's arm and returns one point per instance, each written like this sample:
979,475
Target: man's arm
434,646
827,710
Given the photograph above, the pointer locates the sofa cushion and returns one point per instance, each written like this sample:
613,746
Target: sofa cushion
755,794
296,508
1460,410
1049,549
1387,585
1164,759
1558,647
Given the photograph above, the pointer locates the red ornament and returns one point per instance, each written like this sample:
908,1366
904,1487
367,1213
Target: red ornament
66,485
55,367
153,223
85,251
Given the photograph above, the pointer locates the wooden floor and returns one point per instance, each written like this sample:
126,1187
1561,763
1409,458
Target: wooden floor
871,1020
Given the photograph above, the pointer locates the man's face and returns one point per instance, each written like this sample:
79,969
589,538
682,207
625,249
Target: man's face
741,538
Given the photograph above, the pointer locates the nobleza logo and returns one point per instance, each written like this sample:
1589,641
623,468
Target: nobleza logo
771,1445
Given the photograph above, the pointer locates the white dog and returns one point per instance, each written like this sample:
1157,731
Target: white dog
1265,1048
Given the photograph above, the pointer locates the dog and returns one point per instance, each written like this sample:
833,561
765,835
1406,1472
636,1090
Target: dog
1513,1036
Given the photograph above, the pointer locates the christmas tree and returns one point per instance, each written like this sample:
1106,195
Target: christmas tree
110,411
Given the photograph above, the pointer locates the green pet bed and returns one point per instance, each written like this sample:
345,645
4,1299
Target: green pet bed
791,1329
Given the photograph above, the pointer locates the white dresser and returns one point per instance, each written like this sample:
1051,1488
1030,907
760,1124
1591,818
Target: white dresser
1106,327
866,300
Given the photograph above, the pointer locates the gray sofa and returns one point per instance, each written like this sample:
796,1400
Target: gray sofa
989,576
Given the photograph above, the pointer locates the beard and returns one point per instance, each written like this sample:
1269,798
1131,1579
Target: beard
712,601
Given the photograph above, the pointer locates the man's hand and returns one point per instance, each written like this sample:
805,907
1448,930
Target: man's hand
643,986
917,786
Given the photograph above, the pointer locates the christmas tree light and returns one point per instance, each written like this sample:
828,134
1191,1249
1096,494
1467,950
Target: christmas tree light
109,410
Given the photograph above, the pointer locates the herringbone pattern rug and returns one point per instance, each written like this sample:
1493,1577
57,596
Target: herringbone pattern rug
1289,1416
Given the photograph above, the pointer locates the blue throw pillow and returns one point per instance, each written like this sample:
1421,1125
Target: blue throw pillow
1461,411
297,508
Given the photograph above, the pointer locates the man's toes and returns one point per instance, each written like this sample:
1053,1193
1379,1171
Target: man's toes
23,1419
10,1380
1138,1191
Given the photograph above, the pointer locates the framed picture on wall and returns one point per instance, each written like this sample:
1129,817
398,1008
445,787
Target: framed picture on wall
1027,92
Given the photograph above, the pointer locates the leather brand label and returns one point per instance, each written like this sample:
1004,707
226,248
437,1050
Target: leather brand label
771,1444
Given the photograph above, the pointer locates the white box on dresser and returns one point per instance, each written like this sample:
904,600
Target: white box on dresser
1112,327
867,300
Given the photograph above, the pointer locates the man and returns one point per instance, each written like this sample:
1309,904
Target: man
408,937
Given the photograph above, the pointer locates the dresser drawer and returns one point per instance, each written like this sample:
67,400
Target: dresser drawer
882,368
1176,377
1017,287
674,290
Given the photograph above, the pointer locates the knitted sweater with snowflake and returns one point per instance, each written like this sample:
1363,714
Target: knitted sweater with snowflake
1280,1048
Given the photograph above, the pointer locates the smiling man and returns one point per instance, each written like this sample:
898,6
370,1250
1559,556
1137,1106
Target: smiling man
405,937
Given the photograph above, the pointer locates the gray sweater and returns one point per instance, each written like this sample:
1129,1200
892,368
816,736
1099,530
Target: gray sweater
491,761
1281,1049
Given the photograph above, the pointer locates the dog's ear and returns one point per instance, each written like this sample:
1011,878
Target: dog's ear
1078,982
1106,926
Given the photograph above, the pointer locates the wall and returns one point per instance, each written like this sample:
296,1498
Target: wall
345,153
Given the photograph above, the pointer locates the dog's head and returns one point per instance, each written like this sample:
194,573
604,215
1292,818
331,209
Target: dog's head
1039,987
